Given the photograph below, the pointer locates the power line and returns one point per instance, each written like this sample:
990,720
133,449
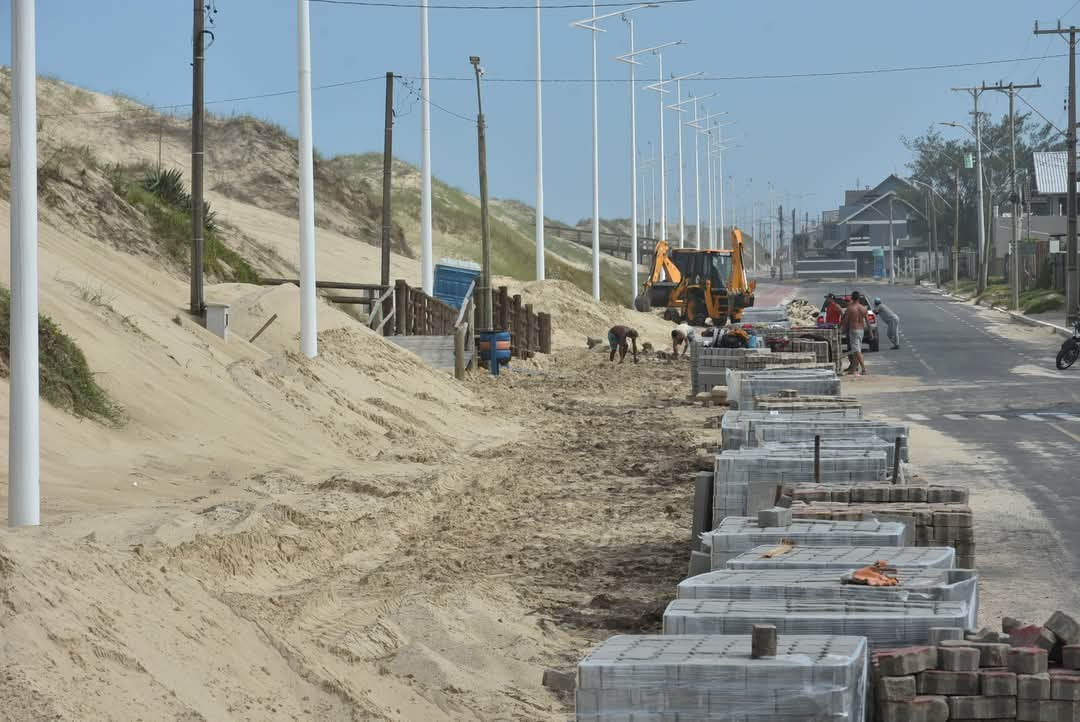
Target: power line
769,76
531,6
1036,110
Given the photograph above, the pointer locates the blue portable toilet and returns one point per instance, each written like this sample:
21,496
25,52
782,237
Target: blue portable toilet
452,279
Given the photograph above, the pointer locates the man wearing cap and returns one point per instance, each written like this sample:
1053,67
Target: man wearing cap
889,316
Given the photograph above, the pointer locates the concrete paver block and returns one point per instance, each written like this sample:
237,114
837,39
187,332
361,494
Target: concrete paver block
1064,626
774,517
997,684
982,707
1044,710
1028,660
1032,635
897,689
1070,656
958,659
906,661
936,681
1033,686
940,634
1065,687
920,709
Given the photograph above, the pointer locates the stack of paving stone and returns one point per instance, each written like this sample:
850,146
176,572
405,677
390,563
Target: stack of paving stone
843,557
809,402
883,623
735,425
693,678
709,365
743,386
936,515
819,348
734,470
930,585
964,681
774,429
737,535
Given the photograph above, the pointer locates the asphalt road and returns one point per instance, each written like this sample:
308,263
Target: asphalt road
990,384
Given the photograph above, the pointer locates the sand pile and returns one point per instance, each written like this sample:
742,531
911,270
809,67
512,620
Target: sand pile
575,315
802,312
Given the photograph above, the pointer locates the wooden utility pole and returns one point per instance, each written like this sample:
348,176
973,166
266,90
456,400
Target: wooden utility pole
780,242
956,236
486,311
198,305
1014,198
794,247
1072,289
388,157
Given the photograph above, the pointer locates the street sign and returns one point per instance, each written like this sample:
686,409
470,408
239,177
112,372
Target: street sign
1055,246
969,160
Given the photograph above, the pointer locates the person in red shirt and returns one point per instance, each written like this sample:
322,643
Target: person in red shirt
833,312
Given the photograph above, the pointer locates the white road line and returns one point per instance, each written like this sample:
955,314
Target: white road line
955,417
918,417
991,417
1066,417
1032,417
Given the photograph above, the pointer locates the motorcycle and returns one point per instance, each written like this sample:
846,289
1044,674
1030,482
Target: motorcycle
1070,350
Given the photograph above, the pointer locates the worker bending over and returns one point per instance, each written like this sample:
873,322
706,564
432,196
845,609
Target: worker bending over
889,316
620,338
681,335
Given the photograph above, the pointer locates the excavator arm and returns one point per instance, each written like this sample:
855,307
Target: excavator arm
738,282
662,264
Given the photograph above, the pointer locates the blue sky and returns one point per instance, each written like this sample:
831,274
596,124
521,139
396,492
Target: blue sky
810,137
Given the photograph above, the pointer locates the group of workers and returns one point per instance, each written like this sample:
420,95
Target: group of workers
854,322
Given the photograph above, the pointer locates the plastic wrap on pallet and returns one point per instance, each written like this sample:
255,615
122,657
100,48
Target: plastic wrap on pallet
928,585
768,430
744,385
885,624
692,678
737,534
735,425
845,557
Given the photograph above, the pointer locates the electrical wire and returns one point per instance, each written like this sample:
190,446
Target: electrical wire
532,6
1038,113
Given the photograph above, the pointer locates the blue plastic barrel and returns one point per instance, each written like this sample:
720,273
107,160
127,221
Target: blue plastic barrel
452,280
500,342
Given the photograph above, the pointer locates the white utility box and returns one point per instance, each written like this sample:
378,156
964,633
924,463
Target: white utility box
217,319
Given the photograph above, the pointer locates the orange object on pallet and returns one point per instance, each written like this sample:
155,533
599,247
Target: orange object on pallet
875,575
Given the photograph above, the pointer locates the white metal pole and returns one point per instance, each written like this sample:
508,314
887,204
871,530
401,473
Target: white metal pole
709,189
720,177
753,230
663,160
427,268
633,175
697,182
309,342
539,155
24,472
595,169
652,192
682,169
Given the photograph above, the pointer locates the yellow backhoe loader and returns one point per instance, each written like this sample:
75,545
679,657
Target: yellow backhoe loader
697,284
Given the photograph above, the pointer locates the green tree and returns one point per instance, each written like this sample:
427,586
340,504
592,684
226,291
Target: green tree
935,160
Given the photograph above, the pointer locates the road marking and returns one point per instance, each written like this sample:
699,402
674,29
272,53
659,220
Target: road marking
1032,417
918,417
1066,417
1071,435
991,417
955,417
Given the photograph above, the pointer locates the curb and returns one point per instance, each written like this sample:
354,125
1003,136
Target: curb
1015,316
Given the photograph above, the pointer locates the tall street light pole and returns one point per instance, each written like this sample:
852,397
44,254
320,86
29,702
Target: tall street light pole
24,430
590,25
680,108
629,59
309,342
539,155
980,281
427,268
659,88
703,127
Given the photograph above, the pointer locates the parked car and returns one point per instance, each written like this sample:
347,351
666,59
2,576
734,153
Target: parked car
873,339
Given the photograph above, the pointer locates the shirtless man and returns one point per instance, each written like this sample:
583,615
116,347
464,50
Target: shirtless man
681,335
855,323
620,338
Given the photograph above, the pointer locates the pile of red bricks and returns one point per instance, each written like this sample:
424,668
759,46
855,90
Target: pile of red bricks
938,515
964,680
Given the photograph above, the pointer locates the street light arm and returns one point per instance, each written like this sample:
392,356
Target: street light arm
587,23
678,106
628,57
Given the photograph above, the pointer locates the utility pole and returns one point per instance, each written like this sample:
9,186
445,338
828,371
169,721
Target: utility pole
682,170
956,236
754,241
388,155
697,181
892,243
1072,289
1014,198
540,270
198,305
980,278
794,248
780,241
486,310
309,338
427,267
